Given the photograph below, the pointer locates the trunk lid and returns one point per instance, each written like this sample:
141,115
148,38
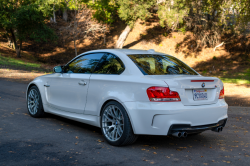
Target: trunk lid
186,84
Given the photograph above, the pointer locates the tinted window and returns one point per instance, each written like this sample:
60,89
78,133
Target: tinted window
109,64
151,64
84,64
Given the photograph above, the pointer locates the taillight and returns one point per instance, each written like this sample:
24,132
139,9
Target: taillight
221,94
162,94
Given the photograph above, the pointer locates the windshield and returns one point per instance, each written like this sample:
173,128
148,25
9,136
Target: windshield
152,64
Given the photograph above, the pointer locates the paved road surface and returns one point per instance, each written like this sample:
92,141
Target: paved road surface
57,141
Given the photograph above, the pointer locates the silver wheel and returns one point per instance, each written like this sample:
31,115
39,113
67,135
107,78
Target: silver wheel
112,123
33,101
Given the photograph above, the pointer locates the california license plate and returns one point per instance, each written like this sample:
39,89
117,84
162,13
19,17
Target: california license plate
200,94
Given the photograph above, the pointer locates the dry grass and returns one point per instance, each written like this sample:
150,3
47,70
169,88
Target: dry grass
19,75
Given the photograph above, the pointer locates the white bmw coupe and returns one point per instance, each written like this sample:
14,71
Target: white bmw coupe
131,92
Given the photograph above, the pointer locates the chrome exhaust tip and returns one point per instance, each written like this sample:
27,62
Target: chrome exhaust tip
218,129
177,134
184,134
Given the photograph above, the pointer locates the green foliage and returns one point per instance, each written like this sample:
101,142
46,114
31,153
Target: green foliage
171,13
7,61
183,30
228,14
130,11
26,19
104,11
214,58
48,6
204,71
29,21
165,34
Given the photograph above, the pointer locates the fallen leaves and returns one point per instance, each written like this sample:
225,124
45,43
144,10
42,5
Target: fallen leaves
100,140
181,148
235,146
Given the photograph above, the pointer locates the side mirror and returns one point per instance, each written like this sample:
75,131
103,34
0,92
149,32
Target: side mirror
58,69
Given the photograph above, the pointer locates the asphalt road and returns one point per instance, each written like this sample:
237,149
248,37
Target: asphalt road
53,140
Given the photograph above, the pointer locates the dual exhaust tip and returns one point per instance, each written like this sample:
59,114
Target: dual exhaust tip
218,129
180,134
184,134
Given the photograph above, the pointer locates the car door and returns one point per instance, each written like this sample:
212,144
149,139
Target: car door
105,81
68,90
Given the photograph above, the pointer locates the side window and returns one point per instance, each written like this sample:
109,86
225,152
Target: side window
109,64
84,64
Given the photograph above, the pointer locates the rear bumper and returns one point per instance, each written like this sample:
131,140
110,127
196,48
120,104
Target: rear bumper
158,118
195,129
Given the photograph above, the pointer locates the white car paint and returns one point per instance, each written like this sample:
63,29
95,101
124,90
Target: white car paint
65,97
65,92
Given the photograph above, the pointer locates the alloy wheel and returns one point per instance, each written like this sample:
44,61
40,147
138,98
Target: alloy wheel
112,123
33,101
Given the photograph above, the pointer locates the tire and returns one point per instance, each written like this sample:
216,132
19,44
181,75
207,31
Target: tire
116,126
34,103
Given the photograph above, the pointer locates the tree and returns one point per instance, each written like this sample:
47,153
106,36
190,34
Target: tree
171,13
209,20
65,10
104,11
130,11
23,20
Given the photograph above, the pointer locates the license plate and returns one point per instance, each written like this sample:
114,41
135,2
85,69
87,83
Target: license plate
200,94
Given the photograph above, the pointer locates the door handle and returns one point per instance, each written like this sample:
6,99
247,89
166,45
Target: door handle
47,85
82,83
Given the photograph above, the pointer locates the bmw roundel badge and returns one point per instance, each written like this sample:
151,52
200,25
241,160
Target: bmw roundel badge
203,85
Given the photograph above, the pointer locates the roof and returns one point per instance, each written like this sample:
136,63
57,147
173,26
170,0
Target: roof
132,51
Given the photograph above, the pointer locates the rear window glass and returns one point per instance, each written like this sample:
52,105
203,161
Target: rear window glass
152,64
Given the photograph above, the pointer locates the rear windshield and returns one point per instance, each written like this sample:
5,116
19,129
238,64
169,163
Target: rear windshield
152,64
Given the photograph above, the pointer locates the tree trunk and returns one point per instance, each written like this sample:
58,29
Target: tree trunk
59,12
10,41
20,46
122,38
75,29
75,46
65,15
54,14
53,19
15,43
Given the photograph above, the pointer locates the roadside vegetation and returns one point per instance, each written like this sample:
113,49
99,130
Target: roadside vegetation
13,62
237,78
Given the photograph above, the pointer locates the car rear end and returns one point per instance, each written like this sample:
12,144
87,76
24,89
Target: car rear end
186,103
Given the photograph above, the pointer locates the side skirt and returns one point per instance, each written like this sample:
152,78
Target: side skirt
88,119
